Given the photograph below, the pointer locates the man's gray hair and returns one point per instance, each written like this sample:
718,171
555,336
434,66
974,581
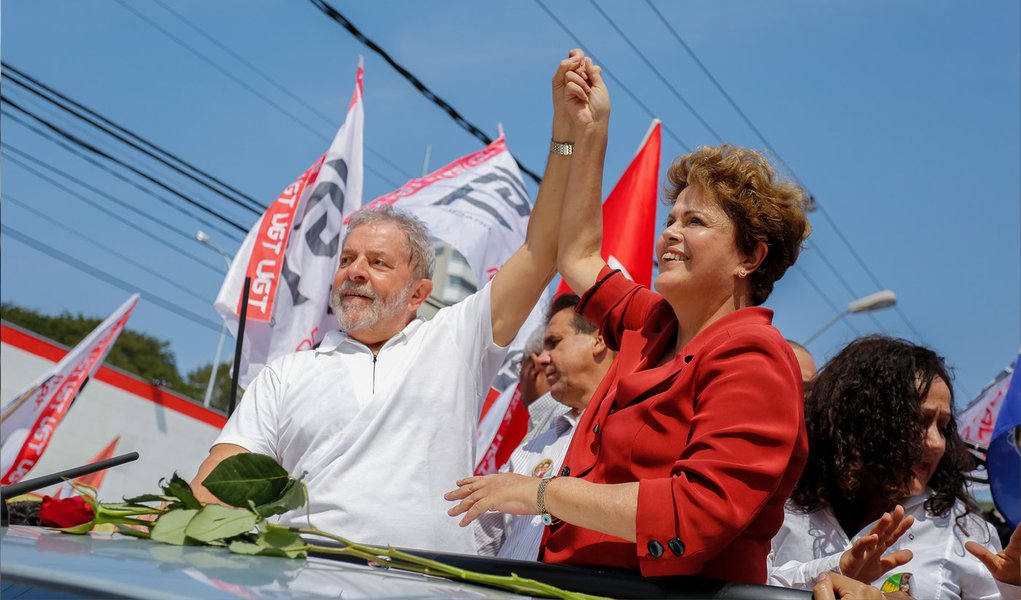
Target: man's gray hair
423,257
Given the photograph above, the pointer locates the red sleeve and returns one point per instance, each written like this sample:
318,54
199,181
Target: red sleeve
616,304
744,431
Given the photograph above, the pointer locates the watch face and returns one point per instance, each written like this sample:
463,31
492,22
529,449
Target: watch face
542,467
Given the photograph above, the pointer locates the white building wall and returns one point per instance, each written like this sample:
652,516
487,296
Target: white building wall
170,433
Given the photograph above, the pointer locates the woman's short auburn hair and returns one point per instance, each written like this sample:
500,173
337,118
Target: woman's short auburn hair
763,206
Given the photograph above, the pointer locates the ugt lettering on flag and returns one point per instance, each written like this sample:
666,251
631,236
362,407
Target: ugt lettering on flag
291,253
478,204
29,421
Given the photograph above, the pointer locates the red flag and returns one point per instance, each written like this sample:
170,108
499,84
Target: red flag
629,214
93,480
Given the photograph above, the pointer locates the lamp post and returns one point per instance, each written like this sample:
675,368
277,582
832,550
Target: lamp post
877,301
203,238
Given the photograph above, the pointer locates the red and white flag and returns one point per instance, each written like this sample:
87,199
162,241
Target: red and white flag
93,480
28,421
976,422
629,214
478,204
291,253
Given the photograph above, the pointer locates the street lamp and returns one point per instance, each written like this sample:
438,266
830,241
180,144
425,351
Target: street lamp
203,238
877,301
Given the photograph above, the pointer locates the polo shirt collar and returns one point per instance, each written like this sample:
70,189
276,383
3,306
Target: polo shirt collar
336,338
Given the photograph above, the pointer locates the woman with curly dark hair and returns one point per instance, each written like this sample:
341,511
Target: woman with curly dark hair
886,470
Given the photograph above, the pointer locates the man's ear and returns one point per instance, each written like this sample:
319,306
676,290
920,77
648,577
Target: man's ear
752,261
599,348
422,289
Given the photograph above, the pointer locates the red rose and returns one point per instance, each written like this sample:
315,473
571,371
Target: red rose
65,512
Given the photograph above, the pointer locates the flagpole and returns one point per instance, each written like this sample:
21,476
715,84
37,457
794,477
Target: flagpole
237,347
23,487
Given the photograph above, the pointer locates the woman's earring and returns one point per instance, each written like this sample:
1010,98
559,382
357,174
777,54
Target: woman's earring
742,273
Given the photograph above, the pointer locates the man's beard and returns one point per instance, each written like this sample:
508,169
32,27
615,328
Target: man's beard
365,317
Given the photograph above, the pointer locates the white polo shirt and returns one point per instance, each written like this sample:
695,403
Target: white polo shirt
380,439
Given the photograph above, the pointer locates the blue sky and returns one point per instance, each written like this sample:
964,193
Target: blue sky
903,119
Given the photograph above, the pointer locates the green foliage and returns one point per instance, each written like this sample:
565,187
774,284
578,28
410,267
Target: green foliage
275,542
197,379
248,477
170,527
180,490
146,356
218,522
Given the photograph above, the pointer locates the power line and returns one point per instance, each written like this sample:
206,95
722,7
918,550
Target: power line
250,205
689,107
609,74
87,146
652,67
81,266
51,222
226,73
129,133
8,149
280,87
765,142
343,21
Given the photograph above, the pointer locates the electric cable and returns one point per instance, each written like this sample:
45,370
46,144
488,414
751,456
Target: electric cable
50,222
128,133
85,145
104,276
765,142
280,87
256,209
609,74
226,73
8,148
343,21
653,68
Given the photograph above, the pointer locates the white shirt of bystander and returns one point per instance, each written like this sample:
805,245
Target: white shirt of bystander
809,544
379,439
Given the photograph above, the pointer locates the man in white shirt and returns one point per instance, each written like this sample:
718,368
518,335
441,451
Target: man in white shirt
575,358
381,417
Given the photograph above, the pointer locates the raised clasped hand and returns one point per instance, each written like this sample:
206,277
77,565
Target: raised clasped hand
585,96
1004,565
865,560
503,492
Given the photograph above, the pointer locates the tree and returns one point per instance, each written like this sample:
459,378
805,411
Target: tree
198,378
144,355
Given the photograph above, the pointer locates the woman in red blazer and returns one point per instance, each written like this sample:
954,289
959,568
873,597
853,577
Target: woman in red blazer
695,438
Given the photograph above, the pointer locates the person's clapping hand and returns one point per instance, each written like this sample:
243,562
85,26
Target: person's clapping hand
1004,565
865,560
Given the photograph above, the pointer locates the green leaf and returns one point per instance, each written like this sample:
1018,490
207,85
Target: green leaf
131,531
179,489
216,522
77,529
278,542
150,498
294,496
243,477
170,527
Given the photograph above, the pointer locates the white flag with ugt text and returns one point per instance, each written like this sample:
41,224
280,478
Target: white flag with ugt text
478,204
29,420
291,254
